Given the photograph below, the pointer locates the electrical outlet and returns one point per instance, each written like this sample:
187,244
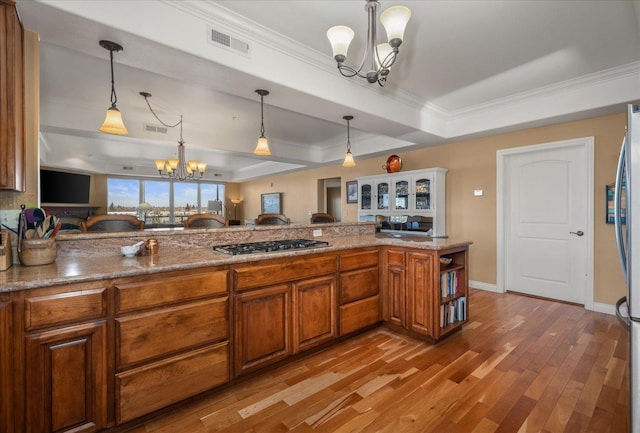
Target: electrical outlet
317,232
10,218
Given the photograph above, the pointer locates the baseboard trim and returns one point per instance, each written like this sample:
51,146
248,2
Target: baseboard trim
604,308
483,286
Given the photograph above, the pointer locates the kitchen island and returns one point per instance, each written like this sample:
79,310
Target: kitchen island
140,334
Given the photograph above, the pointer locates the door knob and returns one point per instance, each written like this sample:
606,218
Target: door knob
579,233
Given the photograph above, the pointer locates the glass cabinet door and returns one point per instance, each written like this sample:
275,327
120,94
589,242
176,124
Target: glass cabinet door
365,196
401,195
383,196
423,194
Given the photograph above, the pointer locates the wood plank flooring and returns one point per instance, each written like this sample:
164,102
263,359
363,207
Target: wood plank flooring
520,365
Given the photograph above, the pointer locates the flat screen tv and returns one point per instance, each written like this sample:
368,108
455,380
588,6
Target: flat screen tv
62,187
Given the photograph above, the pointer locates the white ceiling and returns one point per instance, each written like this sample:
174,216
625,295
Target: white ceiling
466,68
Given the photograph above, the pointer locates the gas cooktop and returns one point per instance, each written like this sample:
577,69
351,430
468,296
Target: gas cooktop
269,246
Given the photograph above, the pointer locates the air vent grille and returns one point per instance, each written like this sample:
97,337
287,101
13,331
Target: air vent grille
127,167
155,128
218,38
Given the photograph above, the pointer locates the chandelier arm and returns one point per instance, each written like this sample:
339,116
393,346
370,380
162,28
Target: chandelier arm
350,71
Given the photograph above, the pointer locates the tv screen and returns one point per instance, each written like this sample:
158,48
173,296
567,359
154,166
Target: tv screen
61,187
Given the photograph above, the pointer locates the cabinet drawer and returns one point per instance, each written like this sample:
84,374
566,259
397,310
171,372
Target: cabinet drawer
171,290
395,258
359,314
358,284
270,273
359,260
60,308
145,389
160,332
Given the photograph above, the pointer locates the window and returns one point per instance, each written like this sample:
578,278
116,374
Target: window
171,202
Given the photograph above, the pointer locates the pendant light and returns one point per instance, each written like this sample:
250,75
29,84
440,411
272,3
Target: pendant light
113,123
348,157
262,148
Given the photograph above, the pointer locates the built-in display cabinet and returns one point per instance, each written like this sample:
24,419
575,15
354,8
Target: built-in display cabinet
402,197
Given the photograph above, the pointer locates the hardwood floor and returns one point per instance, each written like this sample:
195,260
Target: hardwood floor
520,365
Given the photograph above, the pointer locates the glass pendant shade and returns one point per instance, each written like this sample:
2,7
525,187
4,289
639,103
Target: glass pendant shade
340,37
395,21
262,148
384,50
160,163
348,160
113,123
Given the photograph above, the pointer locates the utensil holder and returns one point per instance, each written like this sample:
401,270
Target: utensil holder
36,252
6,259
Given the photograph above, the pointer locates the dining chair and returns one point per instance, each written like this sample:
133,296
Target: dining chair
111,223
321,217
205,220
272,219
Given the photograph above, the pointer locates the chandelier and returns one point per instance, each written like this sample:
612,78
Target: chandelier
176,168
377,58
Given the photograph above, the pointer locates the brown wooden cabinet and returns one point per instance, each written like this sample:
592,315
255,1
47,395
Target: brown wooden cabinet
359,281
422,295
65,359
6,371
12,118
282,307
263,327
420,292
171,339
314,312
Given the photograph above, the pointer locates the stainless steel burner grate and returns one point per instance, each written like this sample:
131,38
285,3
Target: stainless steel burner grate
269,246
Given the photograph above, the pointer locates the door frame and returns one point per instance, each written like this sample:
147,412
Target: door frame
501,212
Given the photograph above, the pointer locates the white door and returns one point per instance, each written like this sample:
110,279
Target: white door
548,210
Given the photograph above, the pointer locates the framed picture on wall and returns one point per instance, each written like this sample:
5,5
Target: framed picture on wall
352,191
272,202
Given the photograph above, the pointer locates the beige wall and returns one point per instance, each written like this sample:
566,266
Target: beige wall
472,165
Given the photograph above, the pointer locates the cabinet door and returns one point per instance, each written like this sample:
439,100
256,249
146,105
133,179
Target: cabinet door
314,312
365,195
394,305
383,195
66,379
12,126
420,291
6,371
401,195
262,327
421,194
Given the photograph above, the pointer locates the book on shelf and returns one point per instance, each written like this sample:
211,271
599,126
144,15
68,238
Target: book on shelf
454,311
449,283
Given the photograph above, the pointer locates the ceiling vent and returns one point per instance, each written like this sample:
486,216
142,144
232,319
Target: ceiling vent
155,128
127,167
227,41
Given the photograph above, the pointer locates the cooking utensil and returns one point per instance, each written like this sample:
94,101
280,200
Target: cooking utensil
38,216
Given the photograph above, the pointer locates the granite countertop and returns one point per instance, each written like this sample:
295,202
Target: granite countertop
76,266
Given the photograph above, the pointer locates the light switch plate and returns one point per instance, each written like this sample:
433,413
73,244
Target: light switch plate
317,232
478,192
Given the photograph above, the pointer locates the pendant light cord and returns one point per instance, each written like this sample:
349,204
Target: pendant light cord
261,115
114,97
348,137
146,98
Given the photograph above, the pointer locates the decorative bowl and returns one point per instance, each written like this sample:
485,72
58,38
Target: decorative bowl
129,250
446,260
